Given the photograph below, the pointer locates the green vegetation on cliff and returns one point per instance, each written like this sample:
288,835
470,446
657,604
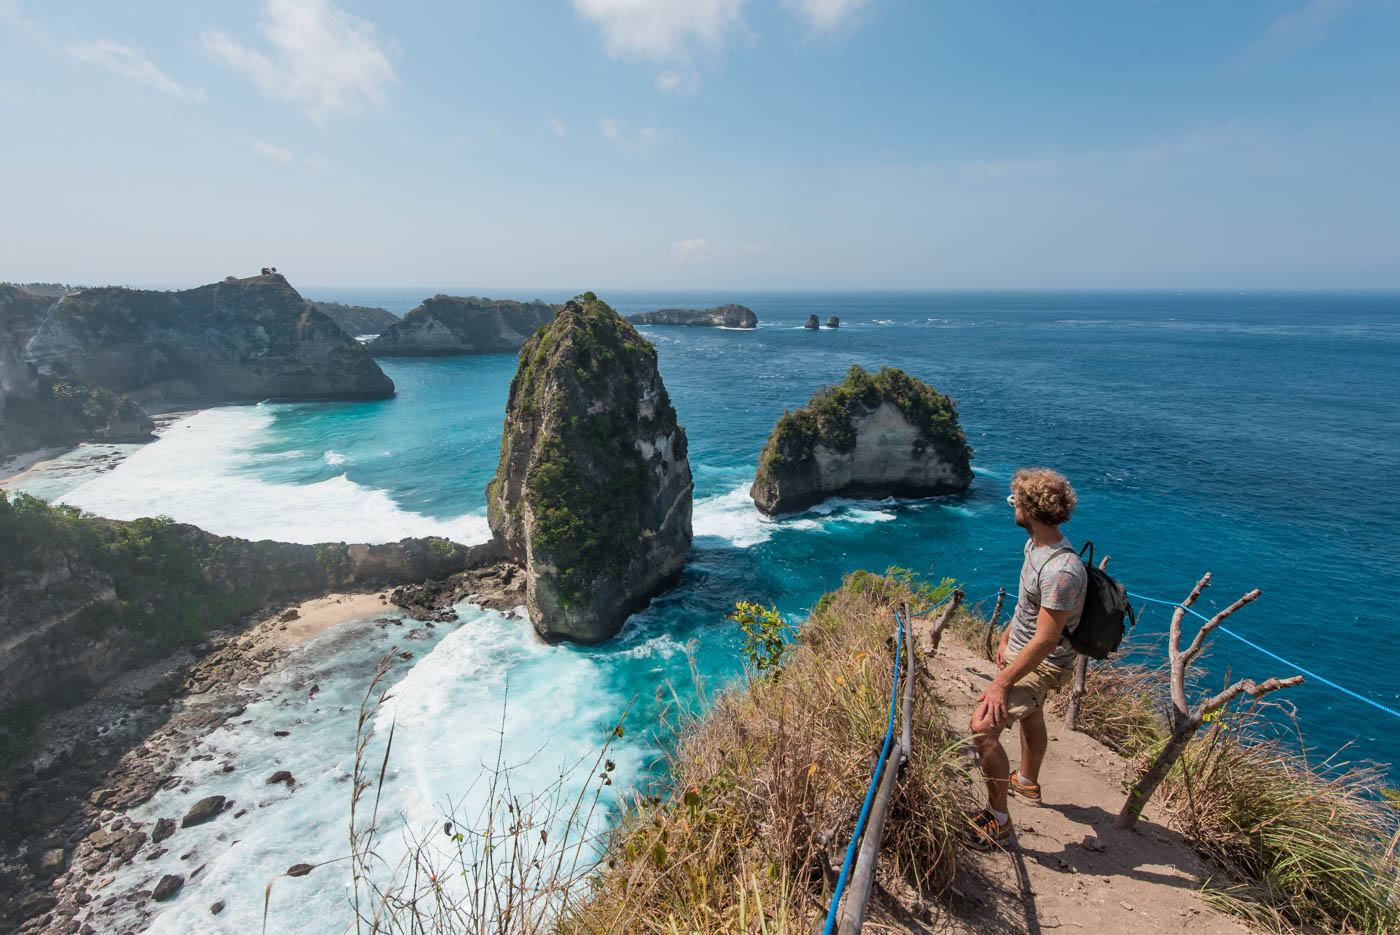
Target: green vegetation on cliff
828,418
588,486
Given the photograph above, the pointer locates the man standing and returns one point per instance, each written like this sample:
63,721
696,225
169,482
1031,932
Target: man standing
1035,656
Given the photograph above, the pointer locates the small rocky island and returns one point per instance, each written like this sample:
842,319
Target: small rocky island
813,323
236,340
721,316
447,325
833,322
356,320
592,494
872,435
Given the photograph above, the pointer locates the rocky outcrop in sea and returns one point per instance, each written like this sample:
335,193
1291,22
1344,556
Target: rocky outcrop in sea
833,321
236,340
592,494
721,316
37,411
446,325
813,323
872,435
356,320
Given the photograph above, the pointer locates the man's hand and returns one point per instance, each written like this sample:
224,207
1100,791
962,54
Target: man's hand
992,705
1001,655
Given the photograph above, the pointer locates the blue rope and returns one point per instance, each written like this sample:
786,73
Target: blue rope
870,795
1253,645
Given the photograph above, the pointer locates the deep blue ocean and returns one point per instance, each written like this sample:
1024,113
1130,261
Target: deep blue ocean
1255,436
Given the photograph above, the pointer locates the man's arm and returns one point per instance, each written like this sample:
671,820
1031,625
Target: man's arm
1049,624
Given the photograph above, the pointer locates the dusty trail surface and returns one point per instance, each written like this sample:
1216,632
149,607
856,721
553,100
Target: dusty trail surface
1068,868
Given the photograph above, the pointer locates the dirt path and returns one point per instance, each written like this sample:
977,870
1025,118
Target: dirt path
1068,868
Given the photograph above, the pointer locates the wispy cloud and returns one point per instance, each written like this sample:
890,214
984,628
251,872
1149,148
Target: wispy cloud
556,125
700,250
678,82
131,63
1293,31
826,15
645,138
317,56
661,30
274,152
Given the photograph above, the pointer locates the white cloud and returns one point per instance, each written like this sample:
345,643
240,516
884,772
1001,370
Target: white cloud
662,30
1293,31
319,57
129,62
274,152
679,82
616,131
556,125
316,163
826,14
701,250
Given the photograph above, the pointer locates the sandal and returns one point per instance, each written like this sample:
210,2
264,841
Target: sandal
1030,791
985,832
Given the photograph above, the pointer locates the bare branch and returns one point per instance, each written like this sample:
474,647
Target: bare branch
935,635
1245,687
1175,647
1194,649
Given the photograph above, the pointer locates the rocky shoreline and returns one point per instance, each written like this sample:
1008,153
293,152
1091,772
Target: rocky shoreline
65,824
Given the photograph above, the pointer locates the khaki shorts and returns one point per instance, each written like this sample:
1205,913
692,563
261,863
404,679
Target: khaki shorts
1028,695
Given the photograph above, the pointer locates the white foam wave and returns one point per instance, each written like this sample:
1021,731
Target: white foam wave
732,518
192,474
334,458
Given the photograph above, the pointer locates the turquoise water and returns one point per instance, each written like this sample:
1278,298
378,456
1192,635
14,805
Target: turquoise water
1253,436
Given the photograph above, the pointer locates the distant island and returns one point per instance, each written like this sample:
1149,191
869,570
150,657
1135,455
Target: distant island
356,320
721,316
447,325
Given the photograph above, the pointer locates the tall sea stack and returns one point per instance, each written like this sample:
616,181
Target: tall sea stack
592,493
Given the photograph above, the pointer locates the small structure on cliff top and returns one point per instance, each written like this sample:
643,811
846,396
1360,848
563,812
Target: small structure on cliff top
873,435
592,494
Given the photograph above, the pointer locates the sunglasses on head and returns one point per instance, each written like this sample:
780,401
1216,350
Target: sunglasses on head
1011,500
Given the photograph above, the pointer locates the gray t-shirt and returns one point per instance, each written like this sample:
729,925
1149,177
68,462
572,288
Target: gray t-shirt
1057,583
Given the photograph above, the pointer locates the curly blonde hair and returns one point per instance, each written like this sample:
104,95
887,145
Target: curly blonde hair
1044,495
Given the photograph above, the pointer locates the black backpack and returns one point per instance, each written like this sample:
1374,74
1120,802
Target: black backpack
1100,629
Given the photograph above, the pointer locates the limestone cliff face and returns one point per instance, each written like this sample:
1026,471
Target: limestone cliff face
37,412
592,494
447,325
83,599
356,320
244,339
721,316
879,435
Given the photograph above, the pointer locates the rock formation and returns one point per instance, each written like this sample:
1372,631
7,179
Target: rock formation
592,494
244,339
813,323
833,322
37,412
873,435
83,599
356,320
721,316
446,325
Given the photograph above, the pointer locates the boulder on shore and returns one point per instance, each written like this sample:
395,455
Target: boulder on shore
448,325
592,494
873,435
237,340
721,316
813,323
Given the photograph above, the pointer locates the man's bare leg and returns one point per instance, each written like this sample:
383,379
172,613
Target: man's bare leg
996,766
1034,742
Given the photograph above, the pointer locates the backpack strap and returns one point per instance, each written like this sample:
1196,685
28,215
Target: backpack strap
1053,555
1088,546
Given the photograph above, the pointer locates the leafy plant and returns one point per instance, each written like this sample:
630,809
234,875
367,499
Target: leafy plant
765,637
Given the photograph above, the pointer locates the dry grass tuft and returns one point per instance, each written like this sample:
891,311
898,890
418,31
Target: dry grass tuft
765,787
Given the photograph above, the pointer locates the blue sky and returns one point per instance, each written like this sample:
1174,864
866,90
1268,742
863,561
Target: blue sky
589,144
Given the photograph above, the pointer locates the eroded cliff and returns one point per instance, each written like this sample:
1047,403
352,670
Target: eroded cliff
237,340
446,325
721,316
592,494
